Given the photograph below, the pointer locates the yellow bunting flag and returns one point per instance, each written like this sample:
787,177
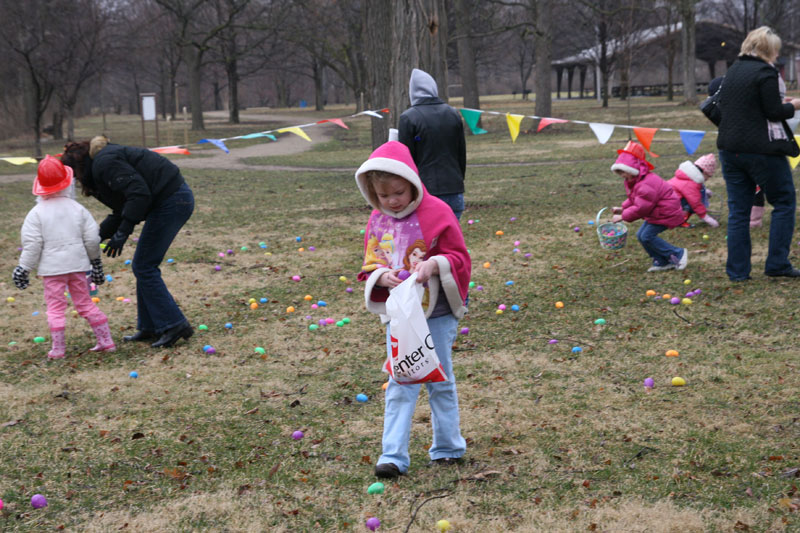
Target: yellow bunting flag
645,136
513,125
794,160
297,131
18,160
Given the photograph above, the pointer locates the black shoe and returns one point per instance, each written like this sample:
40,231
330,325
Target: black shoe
171,336
387,471
446,461
791,273
140,336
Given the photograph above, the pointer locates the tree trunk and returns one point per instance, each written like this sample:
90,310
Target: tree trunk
217,98
194,65
233,91
319,98
58,125
543,43
604,67
383,47
466,57
688,51
69,113
432,37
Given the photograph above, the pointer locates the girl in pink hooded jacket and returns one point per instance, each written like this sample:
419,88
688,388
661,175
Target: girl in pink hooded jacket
652,199
689,184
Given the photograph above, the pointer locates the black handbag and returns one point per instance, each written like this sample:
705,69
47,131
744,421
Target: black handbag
711,107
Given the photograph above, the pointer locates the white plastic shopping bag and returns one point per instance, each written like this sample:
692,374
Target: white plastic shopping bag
412,358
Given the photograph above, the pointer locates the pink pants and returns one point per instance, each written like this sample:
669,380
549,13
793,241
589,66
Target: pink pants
75,283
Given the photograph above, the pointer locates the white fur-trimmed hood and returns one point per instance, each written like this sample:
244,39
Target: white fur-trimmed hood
691,170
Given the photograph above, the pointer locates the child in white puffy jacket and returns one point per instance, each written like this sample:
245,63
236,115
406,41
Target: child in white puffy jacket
61,240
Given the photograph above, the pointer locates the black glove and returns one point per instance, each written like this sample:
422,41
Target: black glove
109,226
97,272
21,278
114,245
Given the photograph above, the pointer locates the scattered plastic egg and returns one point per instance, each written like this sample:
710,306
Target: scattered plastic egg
559,305
487,264
678,381
686,301
290,309
649,383
376,488
675,300
552,341
38,501
502,307
297,435
373,523
296,278
228,325
651,292
509,283
687,282
202,327
442,526
361,398
671,353
259,350
600,321
134,374
515,307
464,331
313,327
577,349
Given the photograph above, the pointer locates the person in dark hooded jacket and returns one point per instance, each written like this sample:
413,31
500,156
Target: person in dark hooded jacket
138,185
434,134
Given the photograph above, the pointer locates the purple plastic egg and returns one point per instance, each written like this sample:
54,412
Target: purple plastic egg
552,341
348,289
697,291
38,501
373,523
217,268
465,331
528,255
479,288
403,274
675,300
648,382
576,229
297,435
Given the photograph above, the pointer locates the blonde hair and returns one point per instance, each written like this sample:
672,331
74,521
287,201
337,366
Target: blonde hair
381,176
762,42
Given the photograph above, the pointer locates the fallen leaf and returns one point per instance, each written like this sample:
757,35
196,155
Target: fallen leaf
137,435
252,411
10,423
741,526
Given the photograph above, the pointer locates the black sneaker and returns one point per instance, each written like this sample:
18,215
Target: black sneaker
791,273
446,461
387,471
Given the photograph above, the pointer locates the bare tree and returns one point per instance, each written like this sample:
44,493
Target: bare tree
466,54
688,15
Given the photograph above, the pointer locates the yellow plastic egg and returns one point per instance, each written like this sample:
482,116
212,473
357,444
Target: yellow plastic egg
687,282
678,381
11,299
342,278
443,525
499,312
706,237
686,301
251,300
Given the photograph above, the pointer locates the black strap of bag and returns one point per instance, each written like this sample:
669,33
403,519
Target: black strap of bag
711,106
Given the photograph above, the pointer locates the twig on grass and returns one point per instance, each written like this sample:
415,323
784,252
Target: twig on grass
579,341
620,263
679,316
447,493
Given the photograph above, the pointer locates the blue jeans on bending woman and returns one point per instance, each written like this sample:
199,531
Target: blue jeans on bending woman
742,172
157,310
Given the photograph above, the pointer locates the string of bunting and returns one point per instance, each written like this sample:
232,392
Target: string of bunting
691,139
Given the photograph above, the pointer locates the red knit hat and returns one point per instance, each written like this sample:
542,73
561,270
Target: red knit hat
52,176
637,151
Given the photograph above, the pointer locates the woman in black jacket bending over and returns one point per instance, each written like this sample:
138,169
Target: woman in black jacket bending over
138,185
753,143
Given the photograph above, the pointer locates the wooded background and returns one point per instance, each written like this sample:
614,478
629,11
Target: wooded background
68,58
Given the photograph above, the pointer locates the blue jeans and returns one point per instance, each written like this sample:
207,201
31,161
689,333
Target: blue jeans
703,198
157,310
442,397
742,172
660,250
455,201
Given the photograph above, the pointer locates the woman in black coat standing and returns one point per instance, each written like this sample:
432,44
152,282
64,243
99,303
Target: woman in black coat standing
753,143
138,185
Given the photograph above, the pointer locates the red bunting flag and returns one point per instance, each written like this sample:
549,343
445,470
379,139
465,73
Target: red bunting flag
645,136
336,121
546,121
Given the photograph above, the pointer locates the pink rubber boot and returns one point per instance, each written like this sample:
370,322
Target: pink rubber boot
104,341
59,344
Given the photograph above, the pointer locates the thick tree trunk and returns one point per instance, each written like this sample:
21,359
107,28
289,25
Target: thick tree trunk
432,32
466,57
58,125
543,43
319,96
380,41
688,51
232,71
195,66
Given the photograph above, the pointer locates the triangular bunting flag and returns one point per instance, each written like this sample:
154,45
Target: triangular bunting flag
471,117
297,131
255,135
336,121
691,139
602,131
513,125
546,121
171,150
645,136
216,142
794,160
18,160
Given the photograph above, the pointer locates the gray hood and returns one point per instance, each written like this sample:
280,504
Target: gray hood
421,86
